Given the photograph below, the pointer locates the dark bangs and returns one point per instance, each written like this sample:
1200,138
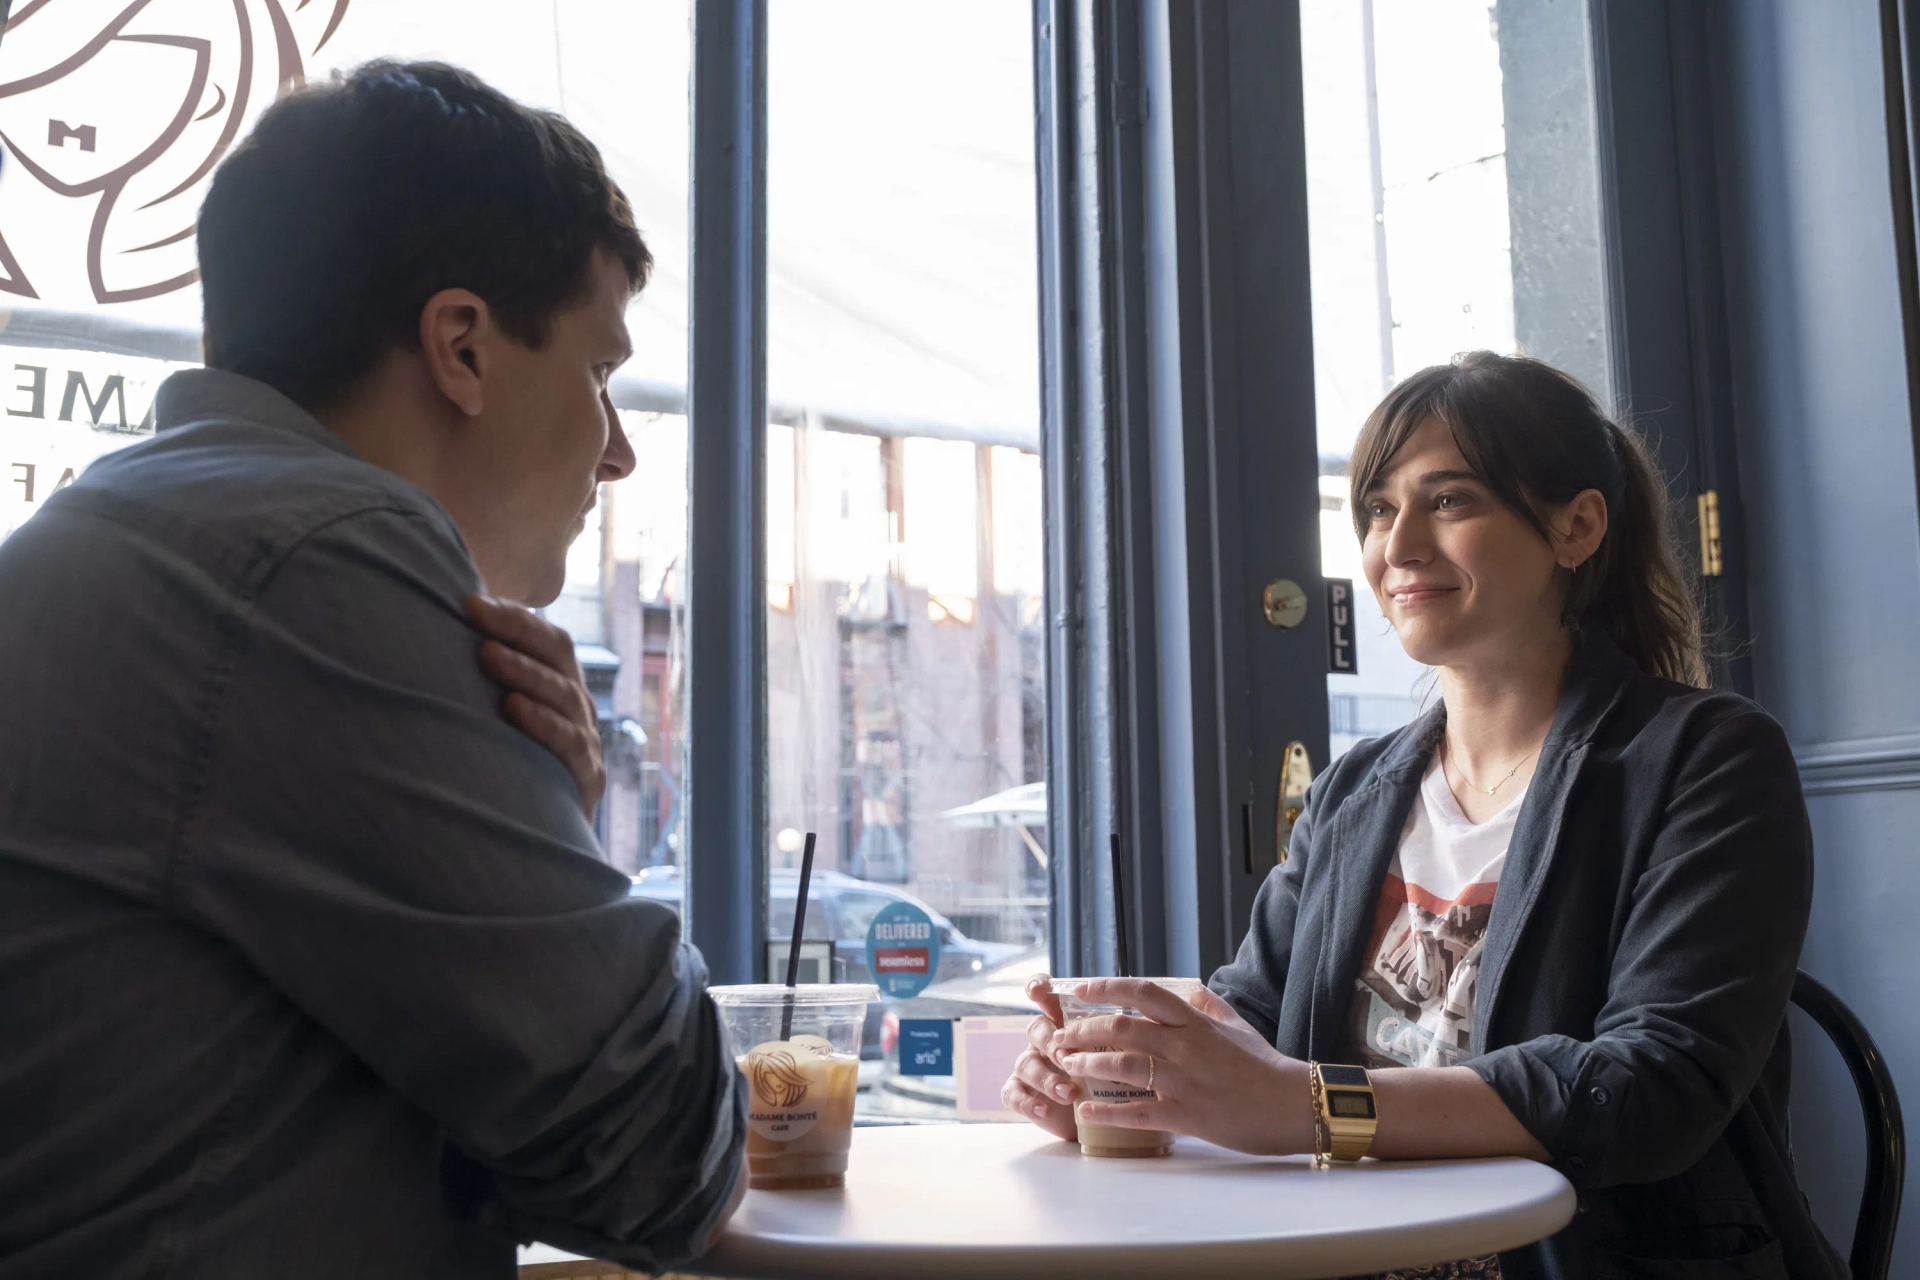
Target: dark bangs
1534,435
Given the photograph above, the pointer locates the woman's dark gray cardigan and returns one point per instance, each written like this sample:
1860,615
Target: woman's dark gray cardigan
1633,988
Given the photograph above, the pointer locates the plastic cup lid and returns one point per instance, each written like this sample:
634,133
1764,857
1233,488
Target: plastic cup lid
805,996
1182,987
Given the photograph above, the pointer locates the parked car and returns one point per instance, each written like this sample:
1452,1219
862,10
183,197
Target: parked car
839,910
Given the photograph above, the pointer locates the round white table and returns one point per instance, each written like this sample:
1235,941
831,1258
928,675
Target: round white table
937,1201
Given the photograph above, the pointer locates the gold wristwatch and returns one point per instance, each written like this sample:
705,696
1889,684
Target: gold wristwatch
1344,1111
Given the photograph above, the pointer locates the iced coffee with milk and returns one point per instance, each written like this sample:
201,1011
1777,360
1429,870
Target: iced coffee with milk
799,1050
1109,1140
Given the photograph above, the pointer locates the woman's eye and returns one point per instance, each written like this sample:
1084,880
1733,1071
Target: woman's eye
1378,511
1450,501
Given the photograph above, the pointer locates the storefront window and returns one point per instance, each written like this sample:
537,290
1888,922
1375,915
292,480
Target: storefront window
905,681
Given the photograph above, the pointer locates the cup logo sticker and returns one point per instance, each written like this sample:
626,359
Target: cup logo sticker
776,1077
781,1085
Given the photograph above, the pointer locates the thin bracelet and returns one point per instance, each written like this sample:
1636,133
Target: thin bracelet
1322,1142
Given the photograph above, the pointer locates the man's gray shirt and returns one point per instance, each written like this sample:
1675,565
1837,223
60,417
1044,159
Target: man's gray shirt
309,963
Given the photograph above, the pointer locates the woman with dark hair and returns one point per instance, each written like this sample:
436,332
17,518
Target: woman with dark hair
1558,916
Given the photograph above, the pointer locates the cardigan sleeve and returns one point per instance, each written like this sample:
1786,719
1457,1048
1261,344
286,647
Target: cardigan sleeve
1257,975
1700,976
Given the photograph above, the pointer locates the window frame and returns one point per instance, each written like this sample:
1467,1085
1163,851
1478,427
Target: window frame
1673,377
726,806
1173,238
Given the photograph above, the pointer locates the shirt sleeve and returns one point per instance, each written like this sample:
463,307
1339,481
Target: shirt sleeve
417,876
1700,978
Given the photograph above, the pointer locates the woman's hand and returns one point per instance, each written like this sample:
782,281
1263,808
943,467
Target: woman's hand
1038,1088
1215,1077
547,697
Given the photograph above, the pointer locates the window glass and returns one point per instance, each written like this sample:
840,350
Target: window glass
905,681
113,120
857,910
780,908
1453,204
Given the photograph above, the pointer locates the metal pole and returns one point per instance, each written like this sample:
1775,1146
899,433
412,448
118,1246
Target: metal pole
726,420
1382,286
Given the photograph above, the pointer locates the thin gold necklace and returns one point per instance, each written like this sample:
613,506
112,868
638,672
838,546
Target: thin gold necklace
1447,760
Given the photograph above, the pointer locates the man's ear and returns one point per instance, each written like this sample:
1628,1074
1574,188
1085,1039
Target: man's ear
455,328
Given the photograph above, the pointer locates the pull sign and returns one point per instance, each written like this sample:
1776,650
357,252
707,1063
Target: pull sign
1343,659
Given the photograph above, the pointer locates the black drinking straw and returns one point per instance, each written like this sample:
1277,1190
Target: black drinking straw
1122,954
799,927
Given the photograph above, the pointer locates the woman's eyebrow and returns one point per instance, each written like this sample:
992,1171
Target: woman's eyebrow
1429,478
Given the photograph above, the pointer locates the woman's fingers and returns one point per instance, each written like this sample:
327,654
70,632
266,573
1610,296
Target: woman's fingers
1040,991
1043,1077
1219,1010
1150,1114
1020,1099
1121,1066
1114,1031
1150,998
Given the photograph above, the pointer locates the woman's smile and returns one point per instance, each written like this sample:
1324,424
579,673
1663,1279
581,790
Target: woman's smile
1414,594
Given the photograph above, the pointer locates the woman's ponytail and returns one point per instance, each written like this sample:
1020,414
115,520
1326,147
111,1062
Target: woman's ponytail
1537,437
1635,588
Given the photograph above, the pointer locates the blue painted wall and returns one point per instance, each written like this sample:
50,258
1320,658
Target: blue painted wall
1827,475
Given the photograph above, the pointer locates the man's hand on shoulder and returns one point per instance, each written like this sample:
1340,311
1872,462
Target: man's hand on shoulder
547,696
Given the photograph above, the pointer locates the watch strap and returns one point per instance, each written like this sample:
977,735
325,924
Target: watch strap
1345,1114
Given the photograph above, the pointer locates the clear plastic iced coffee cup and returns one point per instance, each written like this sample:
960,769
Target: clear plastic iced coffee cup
1106,1139
803,1082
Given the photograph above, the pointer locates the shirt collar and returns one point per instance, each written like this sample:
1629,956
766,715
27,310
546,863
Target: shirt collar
197,395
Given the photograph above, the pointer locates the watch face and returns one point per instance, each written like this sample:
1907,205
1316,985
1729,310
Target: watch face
1355,1076
1350,1105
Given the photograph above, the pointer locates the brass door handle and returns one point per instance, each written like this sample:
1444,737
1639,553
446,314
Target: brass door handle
1296,775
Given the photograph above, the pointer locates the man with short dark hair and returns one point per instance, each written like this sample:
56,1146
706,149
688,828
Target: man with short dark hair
309,962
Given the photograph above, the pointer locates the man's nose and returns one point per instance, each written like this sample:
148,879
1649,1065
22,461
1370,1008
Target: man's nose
617,462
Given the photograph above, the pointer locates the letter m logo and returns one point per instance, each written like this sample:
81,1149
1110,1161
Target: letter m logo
58,131
112,391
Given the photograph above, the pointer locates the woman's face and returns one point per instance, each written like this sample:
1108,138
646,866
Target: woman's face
1463,579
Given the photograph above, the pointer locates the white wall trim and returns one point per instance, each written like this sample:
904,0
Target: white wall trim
1860,764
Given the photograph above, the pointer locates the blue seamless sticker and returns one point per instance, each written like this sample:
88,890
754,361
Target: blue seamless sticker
903,950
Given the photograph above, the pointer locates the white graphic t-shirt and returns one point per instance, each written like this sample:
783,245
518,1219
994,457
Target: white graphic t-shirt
1413,1002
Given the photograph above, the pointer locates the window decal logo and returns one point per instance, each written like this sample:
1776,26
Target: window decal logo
123,110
